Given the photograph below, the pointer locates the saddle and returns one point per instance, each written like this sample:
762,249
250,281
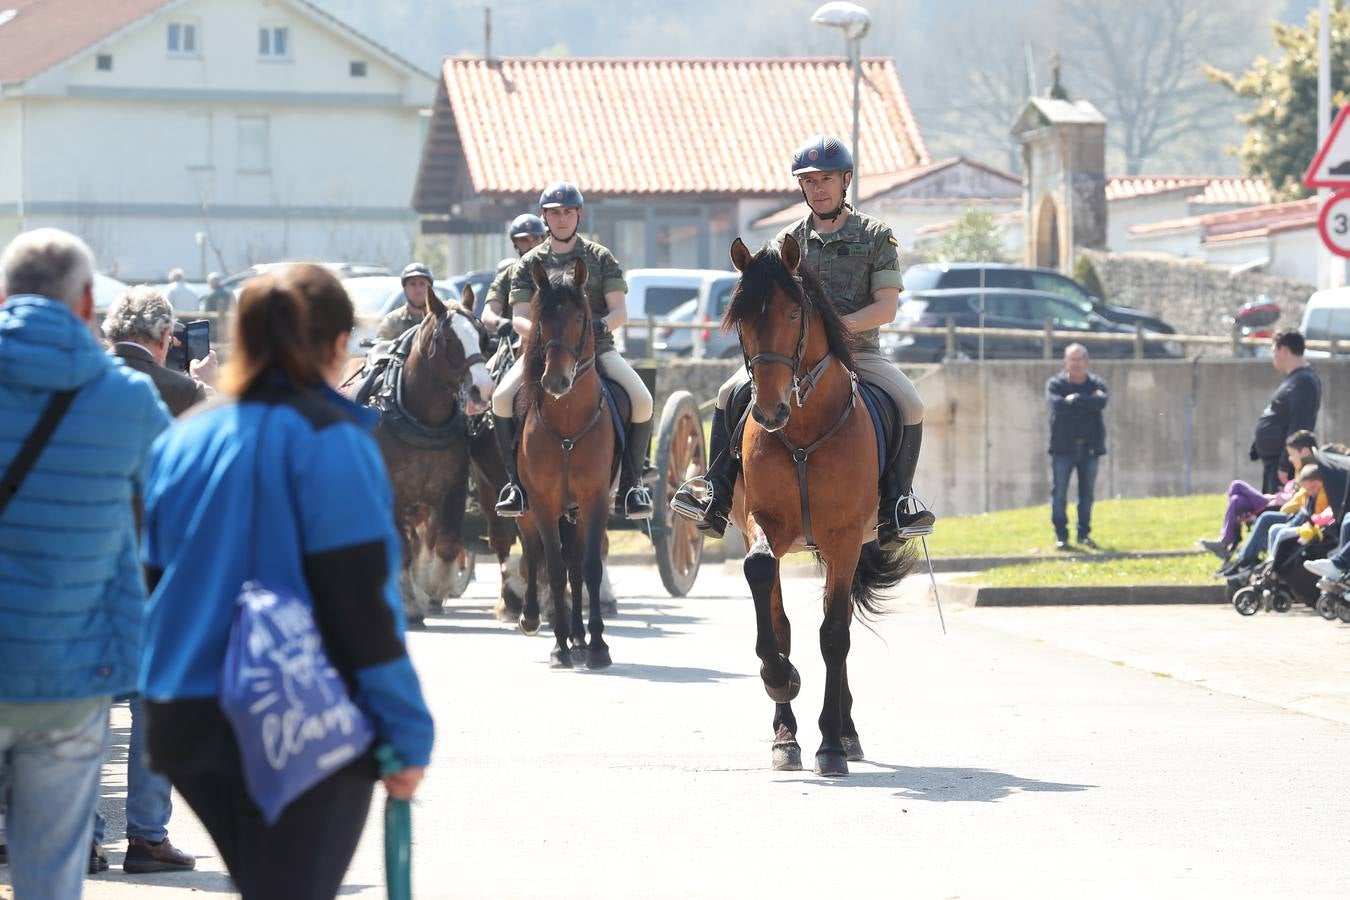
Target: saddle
381,388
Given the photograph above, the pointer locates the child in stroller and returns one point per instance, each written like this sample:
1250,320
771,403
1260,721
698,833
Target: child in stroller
1281,580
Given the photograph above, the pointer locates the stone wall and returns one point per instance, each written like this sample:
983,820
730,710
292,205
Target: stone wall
1193,297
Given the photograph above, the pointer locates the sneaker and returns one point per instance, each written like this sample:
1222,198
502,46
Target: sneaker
1218,548
144,857
1063,544
98,859
1325,568
1085,541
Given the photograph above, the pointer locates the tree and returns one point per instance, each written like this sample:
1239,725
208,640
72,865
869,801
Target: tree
1281,124
974,238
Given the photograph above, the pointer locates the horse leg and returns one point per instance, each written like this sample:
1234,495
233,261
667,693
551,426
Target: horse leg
571,553
787,753
556,569
591,554
852,746
831,758
532,551
781,680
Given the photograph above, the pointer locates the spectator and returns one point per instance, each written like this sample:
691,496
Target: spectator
73,592
1292,408
1077,441
179,295
140,325
1245,501
217,299
323,508
1302,451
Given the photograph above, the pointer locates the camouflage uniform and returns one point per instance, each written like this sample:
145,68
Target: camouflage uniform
396,322
499,291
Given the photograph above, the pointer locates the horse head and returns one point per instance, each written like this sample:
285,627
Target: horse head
449,344
562,338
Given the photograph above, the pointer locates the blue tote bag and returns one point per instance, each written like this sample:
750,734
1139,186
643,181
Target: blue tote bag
292,717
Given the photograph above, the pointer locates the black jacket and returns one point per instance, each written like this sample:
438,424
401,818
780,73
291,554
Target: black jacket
1293,408
178,391
1078,422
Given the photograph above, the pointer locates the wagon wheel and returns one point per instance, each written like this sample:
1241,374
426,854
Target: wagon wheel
680,455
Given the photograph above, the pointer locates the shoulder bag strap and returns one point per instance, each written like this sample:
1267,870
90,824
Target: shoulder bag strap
33,446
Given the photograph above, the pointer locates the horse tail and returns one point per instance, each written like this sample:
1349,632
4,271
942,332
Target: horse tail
878,572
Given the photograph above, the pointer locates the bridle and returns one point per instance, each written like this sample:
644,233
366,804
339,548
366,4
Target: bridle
802,384
580,366
457,374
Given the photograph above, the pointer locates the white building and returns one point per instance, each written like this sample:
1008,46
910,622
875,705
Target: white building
207,134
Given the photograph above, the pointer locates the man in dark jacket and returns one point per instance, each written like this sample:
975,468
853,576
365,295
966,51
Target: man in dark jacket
1077,439
1293,407
140,326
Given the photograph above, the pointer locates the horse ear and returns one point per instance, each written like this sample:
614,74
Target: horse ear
740,255
466,297
434,304
540,276
791,253
579,274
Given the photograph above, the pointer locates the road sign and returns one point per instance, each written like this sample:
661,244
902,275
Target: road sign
1331,166
1334,223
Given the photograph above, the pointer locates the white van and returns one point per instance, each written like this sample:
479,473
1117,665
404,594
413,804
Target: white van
1326,315
656,292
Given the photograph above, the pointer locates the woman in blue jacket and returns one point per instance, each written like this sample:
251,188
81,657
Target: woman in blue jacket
279,480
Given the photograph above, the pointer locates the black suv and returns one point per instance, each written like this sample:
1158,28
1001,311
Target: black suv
940,276
994,308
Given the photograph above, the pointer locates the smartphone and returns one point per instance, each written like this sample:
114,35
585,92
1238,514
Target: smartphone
198,340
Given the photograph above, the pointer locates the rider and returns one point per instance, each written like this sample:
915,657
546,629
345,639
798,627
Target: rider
416,280
605,291
527,231
854,256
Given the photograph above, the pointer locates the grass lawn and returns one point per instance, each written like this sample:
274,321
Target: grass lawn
1197,569
1159,523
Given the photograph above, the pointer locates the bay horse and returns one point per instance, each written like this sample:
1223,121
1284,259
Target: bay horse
809,482
424,442
565,463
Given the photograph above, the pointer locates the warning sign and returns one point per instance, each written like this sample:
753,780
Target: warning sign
1331,166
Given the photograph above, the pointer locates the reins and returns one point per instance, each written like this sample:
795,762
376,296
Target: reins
568,444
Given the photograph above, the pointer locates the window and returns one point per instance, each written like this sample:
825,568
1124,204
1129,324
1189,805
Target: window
960,278
358,69
659,301
1066,315
1014,307
274,42
1065,287
103,62
1007,278
182,39
197,136
254,151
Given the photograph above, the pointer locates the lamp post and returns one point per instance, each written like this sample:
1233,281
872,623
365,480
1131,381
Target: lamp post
853,19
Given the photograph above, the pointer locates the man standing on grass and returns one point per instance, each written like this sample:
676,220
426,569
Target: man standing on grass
1077,439
1293,407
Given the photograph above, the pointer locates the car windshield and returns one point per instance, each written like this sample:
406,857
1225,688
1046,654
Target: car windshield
721,297
921,278
370,294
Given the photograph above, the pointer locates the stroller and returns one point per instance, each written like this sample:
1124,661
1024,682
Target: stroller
1281,581
1334,601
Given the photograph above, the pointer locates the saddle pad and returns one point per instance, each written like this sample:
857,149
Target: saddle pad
885,422
619,410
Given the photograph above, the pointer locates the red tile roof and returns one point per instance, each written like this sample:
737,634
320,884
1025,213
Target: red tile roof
1239,224
507,127
1212,190
47,32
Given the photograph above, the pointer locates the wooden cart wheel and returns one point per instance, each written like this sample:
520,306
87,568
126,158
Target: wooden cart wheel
680,455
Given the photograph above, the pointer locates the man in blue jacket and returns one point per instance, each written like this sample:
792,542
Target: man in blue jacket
1077,441
71,591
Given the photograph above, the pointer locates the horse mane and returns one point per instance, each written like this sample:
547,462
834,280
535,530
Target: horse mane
750,299
543,306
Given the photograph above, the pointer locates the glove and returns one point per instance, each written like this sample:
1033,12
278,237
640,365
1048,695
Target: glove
504,330
1253,454
1309,533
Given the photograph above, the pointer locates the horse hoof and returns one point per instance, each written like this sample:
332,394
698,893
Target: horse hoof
853,750
597,657
417,624
786,692
560,659
831,763
787,756
528,627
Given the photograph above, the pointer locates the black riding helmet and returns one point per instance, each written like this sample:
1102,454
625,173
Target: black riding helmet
823,153
415,270
526,225
562,194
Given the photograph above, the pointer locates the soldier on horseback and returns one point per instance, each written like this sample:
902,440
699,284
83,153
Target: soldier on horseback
416,280
526,232
605,292
854,256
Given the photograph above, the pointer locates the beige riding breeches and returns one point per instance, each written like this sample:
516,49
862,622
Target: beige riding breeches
615,367
872,368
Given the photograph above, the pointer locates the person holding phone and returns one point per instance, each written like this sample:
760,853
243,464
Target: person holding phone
140,325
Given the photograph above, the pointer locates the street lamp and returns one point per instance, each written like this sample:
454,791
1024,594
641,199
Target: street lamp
853,19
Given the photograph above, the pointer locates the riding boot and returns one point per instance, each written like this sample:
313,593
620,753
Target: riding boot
900,519
713,513
636,499
511,501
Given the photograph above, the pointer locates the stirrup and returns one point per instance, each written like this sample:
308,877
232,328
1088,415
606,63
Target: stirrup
637,495
697,510
910,532
510,502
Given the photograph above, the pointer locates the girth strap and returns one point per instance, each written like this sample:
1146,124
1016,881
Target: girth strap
801,455
569,444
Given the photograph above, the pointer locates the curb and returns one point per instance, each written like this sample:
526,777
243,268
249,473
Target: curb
981,563
972,595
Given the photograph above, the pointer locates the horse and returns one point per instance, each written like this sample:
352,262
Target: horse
424,442
798,350
566,457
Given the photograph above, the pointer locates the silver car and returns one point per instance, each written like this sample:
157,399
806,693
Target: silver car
709,342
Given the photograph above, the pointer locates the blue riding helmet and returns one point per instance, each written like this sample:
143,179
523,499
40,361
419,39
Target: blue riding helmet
821,153
528,225
562,195
415,270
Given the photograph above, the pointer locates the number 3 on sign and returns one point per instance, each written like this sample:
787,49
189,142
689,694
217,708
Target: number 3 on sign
1334,223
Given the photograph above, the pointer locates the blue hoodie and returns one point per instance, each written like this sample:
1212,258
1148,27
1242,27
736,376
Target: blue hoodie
71,592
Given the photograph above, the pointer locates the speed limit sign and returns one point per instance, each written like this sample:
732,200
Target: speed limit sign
1334,223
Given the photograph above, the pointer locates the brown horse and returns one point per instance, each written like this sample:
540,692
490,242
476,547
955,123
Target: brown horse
565,462
809,482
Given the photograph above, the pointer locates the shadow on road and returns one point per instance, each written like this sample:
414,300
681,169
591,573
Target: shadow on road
939,785
668,674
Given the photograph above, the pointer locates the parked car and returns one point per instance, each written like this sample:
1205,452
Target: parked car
940,276
1327,315
343,270
480,281
714,294
656,292
1004,309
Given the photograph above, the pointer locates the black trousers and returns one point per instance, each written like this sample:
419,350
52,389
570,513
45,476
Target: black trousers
305,855
1270,475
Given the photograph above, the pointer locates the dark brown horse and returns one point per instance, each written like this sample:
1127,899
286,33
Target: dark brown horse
425,445
809,482
565,464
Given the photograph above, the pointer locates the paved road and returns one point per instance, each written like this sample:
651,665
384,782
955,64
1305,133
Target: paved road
1175,751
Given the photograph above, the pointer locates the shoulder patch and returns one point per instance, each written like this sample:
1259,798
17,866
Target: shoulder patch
894,242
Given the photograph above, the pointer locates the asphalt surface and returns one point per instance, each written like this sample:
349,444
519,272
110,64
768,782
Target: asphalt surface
1037,752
